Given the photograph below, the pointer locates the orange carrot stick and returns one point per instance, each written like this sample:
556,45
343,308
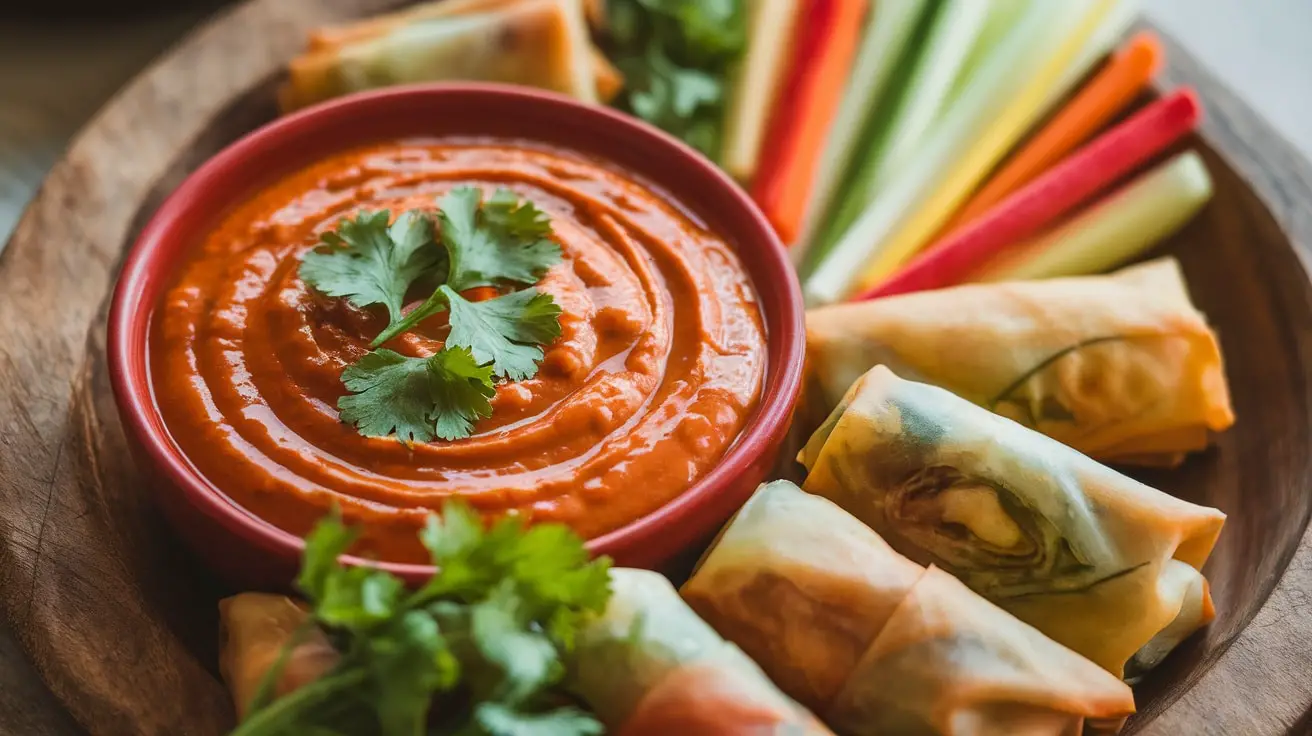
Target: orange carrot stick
1110,91
823,52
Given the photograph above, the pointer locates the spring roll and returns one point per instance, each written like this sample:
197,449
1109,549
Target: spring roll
875,643
1098,561
538,43
608,79
1121,367
650,667
253,628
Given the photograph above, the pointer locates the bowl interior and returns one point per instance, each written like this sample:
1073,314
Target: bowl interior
485,111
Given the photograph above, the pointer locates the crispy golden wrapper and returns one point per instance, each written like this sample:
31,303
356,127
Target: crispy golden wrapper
650,667
878,645
1121,367
253,627
537,43
1094,559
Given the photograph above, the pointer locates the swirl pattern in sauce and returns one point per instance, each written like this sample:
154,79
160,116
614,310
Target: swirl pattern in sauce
657,369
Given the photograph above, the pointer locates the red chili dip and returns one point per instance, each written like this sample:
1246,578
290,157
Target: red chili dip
656,371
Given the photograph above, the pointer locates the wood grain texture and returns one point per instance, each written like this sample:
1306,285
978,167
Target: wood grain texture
91,583
118,621
1263,683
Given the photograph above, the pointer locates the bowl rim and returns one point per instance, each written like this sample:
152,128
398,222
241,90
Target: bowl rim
132,309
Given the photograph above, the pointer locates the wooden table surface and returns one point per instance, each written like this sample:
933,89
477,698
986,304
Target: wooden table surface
26,707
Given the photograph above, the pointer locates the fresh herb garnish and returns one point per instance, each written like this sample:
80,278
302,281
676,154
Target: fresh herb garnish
369,263
502,243
476,650
417,398
676,56
504,332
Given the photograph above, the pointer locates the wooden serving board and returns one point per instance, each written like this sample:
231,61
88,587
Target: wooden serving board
116,623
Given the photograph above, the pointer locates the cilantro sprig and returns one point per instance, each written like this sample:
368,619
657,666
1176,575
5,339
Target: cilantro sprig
503,243
477,649
676,56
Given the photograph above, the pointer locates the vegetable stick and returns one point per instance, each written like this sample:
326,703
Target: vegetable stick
956,30
1039,32
827,42
991,144
756,83
956,26
1109,34
1114,230
1092,169
888,31
1003,16
1106,95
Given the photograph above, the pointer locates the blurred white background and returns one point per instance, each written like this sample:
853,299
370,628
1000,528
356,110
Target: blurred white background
53,78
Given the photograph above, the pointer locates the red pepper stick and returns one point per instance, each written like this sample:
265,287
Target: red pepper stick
1066,186
1111,90
825,43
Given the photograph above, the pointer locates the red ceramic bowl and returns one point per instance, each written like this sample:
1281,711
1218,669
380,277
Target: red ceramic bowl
251,552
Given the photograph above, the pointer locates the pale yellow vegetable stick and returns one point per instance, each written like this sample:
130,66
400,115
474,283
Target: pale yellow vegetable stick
989,148
1111,232
955,31
889,27
1109,34
1036,31
756,83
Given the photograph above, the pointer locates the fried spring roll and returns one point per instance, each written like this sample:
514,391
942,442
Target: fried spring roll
253,627
1096,560
650,667
538,43
875,643
1121,367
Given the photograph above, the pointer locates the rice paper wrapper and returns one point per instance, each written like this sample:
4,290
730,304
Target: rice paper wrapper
1094,559
536,43
1121,367
875,643
949,662
650,665
802,586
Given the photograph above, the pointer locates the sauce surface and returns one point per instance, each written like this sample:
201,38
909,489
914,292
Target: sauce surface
657,369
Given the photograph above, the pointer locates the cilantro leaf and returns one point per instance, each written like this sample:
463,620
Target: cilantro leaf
475,640
329,540
504,331
349,597
389,392
510,216
417,398
500,720
369,263
461,392
503,242
527,659
496,243
358,597
676,56
451,537
411,661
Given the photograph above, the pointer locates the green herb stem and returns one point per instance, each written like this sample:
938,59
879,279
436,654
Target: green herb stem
431,306
286,709
264,692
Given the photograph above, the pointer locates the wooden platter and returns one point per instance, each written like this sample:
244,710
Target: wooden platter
116,623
